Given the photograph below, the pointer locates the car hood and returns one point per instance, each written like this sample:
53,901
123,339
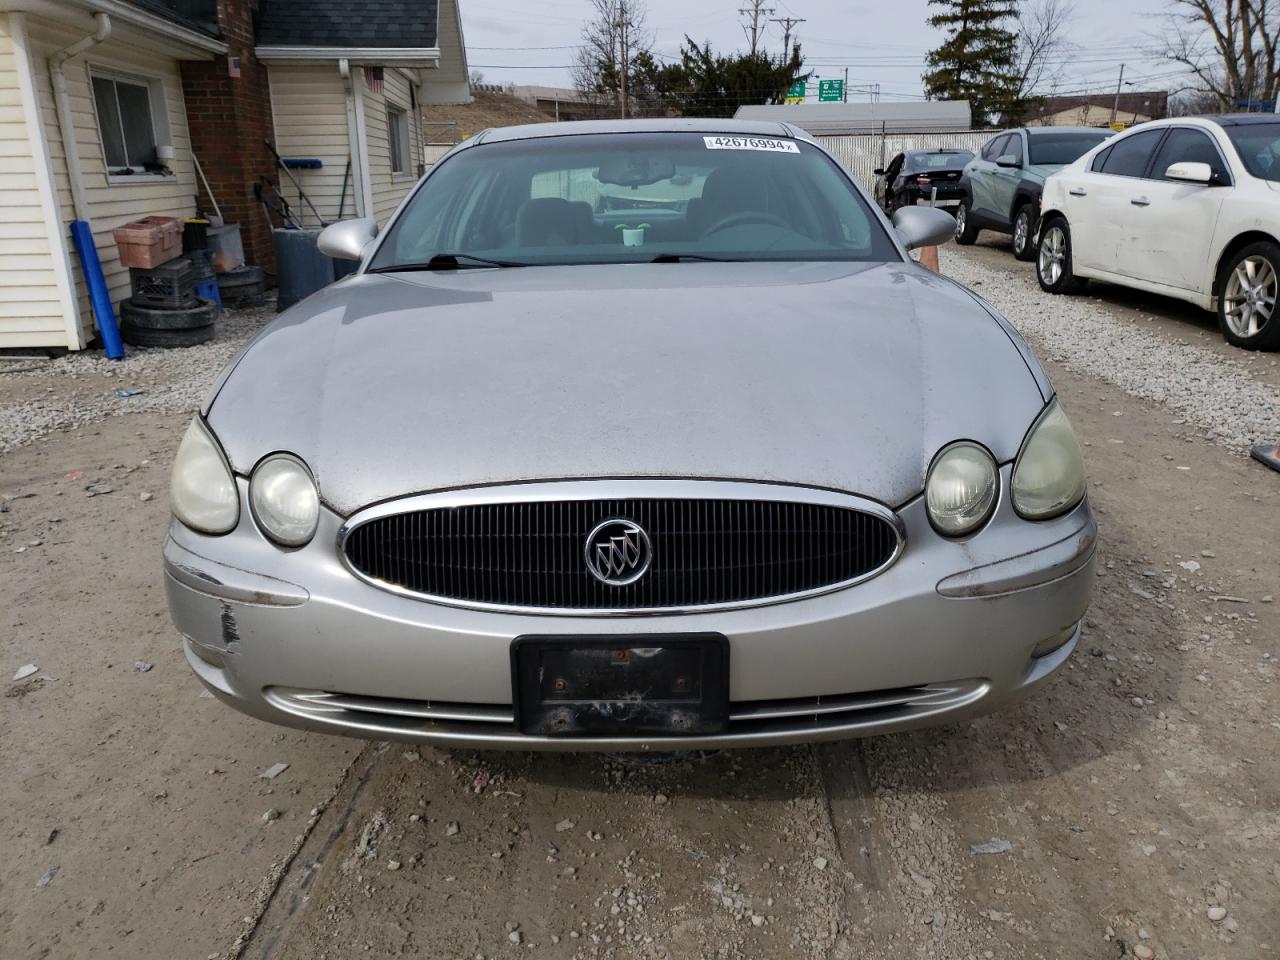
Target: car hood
844,376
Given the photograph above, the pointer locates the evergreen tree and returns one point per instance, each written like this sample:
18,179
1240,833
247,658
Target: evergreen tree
978,59
710,84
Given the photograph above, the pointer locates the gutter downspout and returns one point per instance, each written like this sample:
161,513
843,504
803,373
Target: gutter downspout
362,190
81,229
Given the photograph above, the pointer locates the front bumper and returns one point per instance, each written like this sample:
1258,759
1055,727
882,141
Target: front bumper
945,633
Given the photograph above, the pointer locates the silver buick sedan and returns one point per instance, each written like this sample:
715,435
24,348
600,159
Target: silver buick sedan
631,436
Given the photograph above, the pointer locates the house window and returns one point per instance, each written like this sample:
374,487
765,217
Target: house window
398,138
126,122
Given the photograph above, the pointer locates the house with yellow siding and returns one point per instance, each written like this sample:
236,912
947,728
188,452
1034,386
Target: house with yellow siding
107,105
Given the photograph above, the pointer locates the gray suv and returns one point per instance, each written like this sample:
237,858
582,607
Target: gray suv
1002,184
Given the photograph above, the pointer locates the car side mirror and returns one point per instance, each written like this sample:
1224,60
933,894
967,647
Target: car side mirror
1007,160
347,239
878,171
923,226
1190,171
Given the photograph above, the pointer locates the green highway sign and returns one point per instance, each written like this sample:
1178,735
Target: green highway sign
795,93
829,90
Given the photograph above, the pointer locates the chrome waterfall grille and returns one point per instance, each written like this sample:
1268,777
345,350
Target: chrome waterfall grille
625,555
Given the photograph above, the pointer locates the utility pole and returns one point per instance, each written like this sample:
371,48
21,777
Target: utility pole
757,11
625,57
845,88
787,24
1115,107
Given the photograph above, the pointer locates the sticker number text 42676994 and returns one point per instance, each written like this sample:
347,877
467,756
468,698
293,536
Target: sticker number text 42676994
751,143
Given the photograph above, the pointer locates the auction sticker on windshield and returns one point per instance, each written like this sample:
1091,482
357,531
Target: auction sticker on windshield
751,143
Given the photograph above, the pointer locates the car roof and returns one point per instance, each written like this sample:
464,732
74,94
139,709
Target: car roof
1041,131
708,125
1238,119
938,150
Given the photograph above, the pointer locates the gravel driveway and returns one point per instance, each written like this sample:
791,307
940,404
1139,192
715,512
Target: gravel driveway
1214,391
39,396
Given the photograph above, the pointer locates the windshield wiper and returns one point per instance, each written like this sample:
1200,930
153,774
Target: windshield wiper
679,257
447,261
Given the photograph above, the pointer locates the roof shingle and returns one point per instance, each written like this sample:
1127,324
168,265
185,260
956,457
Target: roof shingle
393,24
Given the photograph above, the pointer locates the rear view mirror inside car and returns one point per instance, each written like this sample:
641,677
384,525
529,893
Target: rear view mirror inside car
635,170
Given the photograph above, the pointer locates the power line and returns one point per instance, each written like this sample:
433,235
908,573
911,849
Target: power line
787,23
757,11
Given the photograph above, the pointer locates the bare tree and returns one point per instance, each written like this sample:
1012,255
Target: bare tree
612,40
1042,43
1229,46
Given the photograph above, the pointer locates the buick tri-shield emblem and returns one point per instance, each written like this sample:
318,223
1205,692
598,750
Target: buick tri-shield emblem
618,552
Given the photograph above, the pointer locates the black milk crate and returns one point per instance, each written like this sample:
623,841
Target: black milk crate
169,285
201,264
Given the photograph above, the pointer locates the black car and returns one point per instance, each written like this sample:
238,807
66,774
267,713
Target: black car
912,176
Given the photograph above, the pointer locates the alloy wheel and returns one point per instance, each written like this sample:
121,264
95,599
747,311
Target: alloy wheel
1053,254
960,219
1020,231
1249,297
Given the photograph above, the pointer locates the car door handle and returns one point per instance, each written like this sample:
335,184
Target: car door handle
1077,192
1140,202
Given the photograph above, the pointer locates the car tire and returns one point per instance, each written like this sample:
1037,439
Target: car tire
1248,281
200,314
151,337
1024,226
1053,259
966,232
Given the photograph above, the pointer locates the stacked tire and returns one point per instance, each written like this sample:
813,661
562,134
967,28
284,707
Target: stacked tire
151,327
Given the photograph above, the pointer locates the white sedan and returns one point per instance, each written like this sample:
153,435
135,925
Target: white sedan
1187,207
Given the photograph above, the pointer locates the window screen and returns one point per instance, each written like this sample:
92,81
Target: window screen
398,138
125,122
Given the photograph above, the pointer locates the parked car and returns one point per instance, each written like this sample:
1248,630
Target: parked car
912,177
1002,184
526,480
1186,207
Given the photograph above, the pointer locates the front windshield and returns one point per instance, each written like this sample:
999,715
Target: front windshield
631,197
1259,147
938,161
1063,148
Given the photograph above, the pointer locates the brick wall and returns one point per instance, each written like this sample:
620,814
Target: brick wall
230,117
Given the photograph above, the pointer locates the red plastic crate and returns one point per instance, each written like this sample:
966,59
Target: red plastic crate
148,242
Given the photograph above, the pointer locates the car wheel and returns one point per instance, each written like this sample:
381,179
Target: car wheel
152,337
966,233
1247,311
1023,233
200,314
1053,262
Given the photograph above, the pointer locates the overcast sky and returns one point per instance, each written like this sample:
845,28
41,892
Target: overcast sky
881,42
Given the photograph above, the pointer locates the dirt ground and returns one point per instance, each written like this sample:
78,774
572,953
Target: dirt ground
1139,790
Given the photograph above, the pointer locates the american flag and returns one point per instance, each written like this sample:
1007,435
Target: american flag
373,78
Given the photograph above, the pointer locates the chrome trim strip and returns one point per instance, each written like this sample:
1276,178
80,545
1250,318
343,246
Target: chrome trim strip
621,489
324,702
967,697
824,708
846,703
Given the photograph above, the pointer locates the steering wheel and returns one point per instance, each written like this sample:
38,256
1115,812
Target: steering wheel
745,216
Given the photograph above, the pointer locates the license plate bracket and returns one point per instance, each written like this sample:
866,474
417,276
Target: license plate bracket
672,684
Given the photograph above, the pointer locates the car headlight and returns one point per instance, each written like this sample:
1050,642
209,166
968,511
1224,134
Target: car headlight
961,489
1048,477
284,499
202,490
